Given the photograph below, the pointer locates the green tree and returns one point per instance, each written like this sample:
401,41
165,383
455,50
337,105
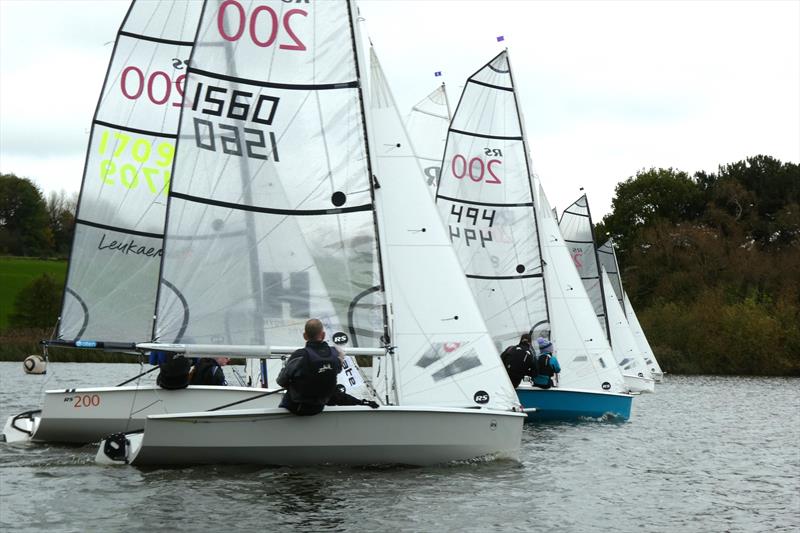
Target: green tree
37,305
61,215
24,228
652,195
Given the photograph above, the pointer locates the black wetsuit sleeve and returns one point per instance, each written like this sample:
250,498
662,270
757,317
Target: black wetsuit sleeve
342,398
290,370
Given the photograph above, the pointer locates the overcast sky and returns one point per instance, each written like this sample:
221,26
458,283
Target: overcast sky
607,88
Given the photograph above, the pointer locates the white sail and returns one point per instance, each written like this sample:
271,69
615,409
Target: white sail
444,353
427,124
486,200
576,227
271,218
587,361
641,340
608,260
112,280
625,347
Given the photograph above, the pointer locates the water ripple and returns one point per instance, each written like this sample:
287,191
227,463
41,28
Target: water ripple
702,454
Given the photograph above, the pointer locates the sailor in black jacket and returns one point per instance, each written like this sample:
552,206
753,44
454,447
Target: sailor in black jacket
309,376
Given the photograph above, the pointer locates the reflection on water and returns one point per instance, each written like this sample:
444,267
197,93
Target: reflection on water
701,454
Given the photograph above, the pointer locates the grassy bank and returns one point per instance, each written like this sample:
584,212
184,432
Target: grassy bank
17,272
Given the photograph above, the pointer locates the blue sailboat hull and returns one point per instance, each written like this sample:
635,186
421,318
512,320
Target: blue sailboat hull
573,404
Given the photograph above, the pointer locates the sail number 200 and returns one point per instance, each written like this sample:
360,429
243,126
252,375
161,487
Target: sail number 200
261,18
476,169
86,400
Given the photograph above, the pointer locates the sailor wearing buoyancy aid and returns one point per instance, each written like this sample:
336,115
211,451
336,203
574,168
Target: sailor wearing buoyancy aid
309,376
546,365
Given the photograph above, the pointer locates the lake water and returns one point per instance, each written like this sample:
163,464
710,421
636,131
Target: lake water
702,454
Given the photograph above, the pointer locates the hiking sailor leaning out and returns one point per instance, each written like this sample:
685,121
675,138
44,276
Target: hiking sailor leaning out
309,376
546,365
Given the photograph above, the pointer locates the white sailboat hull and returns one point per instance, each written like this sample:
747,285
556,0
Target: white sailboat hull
639,384
339,435
87,415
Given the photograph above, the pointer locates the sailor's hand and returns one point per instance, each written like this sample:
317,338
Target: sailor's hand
372,404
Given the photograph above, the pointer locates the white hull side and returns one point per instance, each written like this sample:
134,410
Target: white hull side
338,435
87,415
639,384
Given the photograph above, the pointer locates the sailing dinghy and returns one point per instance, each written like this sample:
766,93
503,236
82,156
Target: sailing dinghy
328,208
578,231
486,197
113,275
608,260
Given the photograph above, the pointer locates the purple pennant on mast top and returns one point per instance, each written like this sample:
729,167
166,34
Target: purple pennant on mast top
500,38
437,73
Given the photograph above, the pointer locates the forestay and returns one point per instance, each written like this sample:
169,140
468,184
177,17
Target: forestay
427,124
486,200
587,361
271,218
112,280
576,227
444,355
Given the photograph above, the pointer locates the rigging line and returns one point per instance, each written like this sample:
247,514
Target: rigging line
422,111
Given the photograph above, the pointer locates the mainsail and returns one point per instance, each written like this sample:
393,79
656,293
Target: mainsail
626,350
578,231
641,339
608,260
427,124
486,199
116,253
271,217
444,353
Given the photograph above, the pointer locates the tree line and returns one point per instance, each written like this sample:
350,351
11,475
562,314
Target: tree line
32,225
711,263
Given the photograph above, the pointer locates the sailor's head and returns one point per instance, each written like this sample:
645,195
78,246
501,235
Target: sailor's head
545,346
525,338
314,330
